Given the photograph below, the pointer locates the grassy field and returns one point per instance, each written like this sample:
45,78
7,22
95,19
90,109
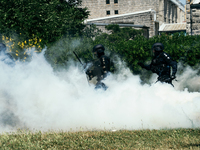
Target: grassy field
124,139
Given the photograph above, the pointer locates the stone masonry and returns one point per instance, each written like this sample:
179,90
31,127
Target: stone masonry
169,11
192,18
150,13
140,18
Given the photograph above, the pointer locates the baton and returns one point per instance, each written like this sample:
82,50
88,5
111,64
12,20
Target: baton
77,57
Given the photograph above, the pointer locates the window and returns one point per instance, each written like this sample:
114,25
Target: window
107,1
116,11
115,1
108,12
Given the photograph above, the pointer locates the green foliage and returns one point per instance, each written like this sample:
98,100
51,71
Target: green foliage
129,45
62,51
91,32
48,20
180,47
121,34
124,139
59,25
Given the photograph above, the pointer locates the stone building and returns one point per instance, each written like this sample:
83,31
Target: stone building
193,17
142,18
149,13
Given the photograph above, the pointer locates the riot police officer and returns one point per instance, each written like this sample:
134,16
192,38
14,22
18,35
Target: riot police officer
2,47
100,67
5,57
161,64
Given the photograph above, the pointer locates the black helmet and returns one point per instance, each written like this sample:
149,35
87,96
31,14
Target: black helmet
2,47
158,47
98,50
98,47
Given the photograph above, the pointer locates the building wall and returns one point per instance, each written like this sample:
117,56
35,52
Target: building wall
194,15
98,8
146,19
166,10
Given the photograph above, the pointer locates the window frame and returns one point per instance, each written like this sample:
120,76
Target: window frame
107,1
107,11
117,12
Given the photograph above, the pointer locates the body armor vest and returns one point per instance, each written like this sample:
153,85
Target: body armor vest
159,66
100,68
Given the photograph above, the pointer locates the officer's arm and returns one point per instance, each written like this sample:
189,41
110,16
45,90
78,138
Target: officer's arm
170,62
147,67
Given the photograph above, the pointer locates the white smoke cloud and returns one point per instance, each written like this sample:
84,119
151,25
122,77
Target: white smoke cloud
33,96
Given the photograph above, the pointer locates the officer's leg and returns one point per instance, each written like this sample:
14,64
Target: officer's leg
100,85
165,79
168,80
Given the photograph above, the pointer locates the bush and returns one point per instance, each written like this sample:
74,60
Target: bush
43,22
129,45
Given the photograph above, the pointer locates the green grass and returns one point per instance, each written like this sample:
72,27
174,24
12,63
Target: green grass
124,139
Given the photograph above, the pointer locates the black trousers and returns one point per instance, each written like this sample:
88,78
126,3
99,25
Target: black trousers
165,79
101,85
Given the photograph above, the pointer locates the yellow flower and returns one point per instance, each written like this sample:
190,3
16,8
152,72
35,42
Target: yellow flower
16,54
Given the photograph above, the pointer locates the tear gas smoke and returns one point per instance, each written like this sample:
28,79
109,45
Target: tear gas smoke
33,96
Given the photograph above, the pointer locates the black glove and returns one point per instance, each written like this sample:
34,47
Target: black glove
87,72
173,77
141,64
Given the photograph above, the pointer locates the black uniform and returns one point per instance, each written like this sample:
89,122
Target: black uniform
100,67
161,65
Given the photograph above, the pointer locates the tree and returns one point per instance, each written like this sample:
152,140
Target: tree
48,20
